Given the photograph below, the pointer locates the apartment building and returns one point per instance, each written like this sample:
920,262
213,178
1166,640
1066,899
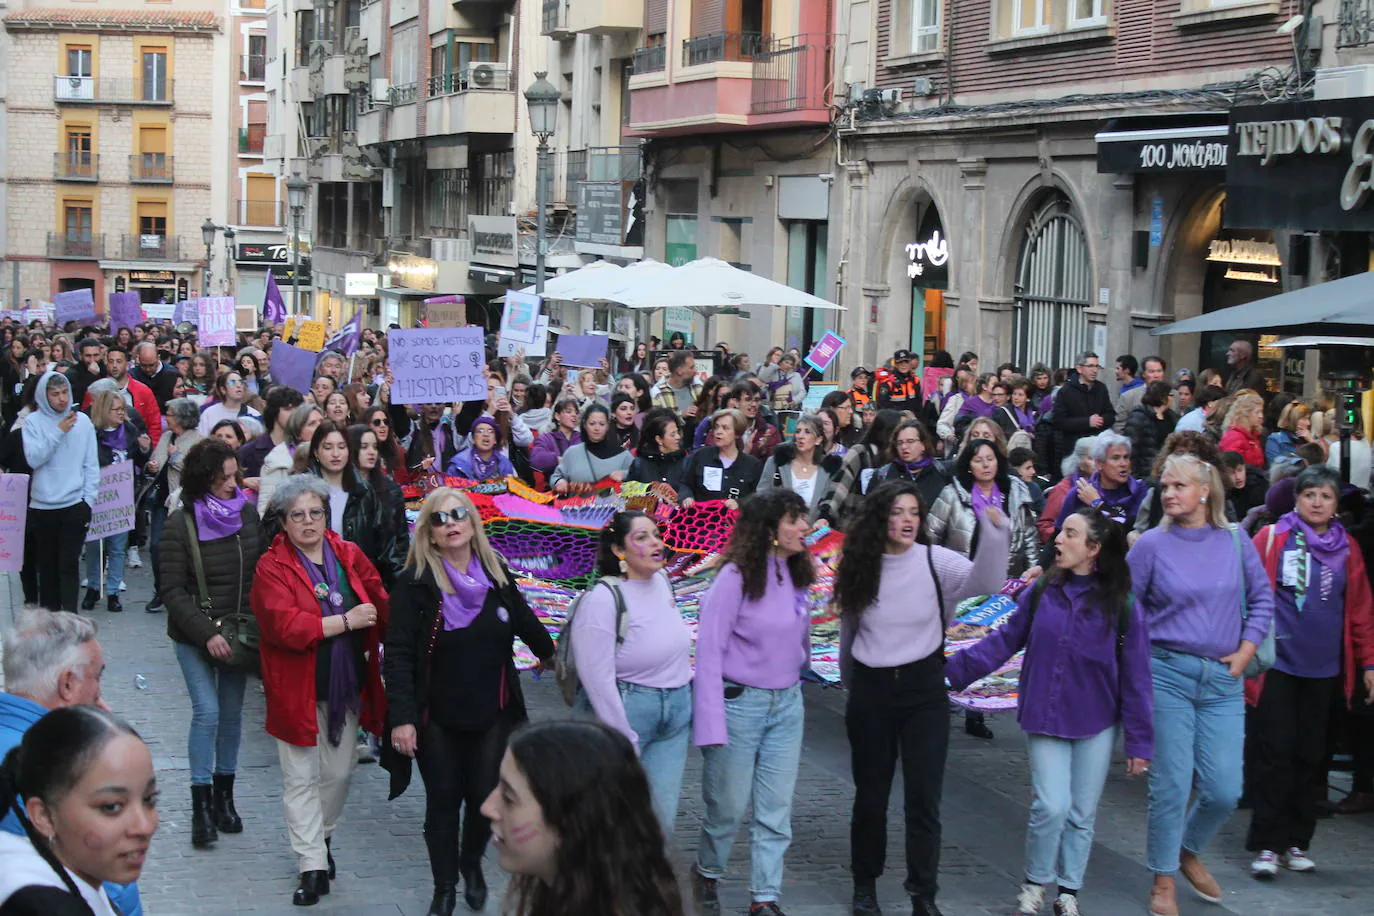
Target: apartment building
109,145
1027,178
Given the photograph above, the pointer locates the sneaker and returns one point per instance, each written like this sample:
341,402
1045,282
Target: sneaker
1266,865
133,560
705,893
1296,860
155,606
1031,899
1066,905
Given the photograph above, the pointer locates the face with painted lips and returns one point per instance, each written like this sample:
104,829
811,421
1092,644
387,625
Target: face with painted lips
525,844
102,827
643,549
903,523
791,535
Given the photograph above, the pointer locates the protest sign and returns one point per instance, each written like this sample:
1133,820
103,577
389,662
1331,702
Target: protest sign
74,305
37,314
436,365
446,312
186,310
825,351
309,334
293,366
126,311
160,311
217,321
12,314
14,507
114,502
582,350
540,347
932,379
520,320
815,394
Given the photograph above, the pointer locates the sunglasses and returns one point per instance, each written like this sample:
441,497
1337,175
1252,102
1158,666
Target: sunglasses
440,518
380,421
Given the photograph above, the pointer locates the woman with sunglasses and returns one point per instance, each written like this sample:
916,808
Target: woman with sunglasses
452,688
231,403
391,454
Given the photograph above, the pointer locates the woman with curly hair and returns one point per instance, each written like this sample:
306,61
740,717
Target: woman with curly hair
752,645
1242,428
895,599
572,823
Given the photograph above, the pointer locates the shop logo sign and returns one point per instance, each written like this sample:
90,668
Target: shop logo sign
934,251
1272,140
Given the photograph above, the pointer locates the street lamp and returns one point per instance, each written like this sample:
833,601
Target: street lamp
296,189
543,101
229,258
207,235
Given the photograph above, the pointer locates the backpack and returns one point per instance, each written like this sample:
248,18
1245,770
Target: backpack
1123,614
565,674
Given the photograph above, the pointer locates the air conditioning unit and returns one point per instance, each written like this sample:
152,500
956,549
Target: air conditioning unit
485,75
891,96
923,86
381,91
856,92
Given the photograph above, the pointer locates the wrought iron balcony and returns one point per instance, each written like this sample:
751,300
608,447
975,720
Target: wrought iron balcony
111,90
76,246
717,46
150,247
253,68
1355,24
74,166
150,168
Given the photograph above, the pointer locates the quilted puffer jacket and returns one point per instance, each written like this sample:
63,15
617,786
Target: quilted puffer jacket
951,523
229,564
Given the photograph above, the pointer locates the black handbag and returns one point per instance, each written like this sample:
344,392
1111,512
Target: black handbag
239,630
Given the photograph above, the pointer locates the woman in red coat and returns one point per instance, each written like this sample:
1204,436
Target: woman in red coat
322,609
1244,424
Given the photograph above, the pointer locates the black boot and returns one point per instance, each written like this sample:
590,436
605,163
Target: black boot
443,864
314,885
866,901
920,906
474,887
91,600
329,856
113,605
226,817
203,832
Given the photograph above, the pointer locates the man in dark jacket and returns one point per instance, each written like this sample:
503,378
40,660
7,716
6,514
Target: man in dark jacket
1083,406
151,371
281,400
90,368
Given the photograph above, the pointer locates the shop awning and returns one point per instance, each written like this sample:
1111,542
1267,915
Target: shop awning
1189,142
1321,340
1348,301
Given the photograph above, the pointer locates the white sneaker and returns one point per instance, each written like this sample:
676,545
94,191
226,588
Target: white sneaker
133,560
1030,900
1066,905
1266,865
1296,859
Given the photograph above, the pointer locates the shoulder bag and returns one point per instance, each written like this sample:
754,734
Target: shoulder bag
239,630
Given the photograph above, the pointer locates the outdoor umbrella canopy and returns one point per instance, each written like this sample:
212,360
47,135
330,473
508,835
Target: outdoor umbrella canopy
1347,301
708,284
574,283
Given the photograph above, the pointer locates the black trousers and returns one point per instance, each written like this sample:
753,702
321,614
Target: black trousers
460,768
57,536
898,711
1290,755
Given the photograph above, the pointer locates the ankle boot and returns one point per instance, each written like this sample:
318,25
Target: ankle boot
113,605
203,832
313,886
443,864
474,887
226,817
91,600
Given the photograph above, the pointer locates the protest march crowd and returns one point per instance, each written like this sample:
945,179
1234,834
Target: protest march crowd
1180,565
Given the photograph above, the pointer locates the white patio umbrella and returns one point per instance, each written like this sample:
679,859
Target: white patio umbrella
603,286
709,284
572,284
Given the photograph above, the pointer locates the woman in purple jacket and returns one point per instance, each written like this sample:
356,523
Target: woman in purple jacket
1086,672
753,643
550,446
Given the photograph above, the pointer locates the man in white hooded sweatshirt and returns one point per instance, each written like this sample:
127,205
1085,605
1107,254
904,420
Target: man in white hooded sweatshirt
59,443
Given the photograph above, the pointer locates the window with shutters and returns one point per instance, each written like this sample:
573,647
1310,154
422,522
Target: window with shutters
1053,286
77,220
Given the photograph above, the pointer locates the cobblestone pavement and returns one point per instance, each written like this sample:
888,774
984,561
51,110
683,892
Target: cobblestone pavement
383,868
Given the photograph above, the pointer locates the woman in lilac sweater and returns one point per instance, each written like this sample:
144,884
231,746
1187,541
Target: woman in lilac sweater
895,599
753,643
640,685
1086,672
1209,605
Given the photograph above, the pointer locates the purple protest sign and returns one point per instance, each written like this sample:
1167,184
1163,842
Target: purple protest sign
74,305
14,507
126,311
114,502
584,351
293,366
825,351
216,316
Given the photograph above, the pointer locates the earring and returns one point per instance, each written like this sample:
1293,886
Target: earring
1204,500
624,567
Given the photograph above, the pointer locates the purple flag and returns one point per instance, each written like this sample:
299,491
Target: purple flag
346,339
273,305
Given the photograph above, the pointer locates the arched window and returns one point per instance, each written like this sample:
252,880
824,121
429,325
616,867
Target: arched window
1053,287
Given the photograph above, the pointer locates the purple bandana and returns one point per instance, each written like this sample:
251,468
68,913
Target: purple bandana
981,503
918,465
470,593
218,518
116,439
345,690
1330,549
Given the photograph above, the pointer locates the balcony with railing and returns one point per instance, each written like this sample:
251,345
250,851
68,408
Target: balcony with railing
76,246
150,168
251,139
150,247
650,60
253,68
88,90
554,21
261,213
606,17
479,99
72,166
738,80
1355,24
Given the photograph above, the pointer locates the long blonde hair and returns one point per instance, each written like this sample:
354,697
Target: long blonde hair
424,556
1204,474
102,404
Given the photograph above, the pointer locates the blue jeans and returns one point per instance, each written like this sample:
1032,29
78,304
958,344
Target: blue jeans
764,729
115,547
1199,741
1067,776
662,718
216,714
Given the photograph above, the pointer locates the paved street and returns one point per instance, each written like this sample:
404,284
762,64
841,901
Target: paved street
383,869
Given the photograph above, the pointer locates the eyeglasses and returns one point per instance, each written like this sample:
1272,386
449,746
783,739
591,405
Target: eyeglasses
300,515
1090,365
380,421
440,518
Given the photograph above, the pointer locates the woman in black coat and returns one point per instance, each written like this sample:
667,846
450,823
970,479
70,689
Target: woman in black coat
453,695
721,470
365,454
661,457
1147,426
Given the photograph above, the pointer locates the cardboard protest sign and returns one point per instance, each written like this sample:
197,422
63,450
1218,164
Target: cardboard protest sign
520,320
126,311
114,502
309,334
14,507
74,305
584,351
446,312
217,321
436,365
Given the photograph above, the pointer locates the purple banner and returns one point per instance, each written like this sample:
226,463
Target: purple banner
126,311
293,366
14,507
825,351
584,351
75,305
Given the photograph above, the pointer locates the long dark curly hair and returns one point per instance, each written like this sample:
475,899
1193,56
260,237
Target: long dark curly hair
755,532
611,857
861,564
203,465
1112,578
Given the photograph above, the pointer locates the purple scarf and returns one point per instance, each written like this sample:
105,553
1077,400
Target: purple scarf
486,469
917,466
1330,549
1023,418
470,593
115,438
218,518
982,503
345,690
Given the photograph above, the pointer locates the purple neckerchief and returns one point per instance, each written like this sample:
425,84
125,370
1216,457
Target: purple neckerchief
1330,549
1023,418
1117,495
438,436
115,438
345,692
488,468
916,467
218,518
470,593
982,503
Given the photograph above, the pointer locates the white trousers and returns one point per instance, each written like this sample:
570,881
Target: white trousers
314,787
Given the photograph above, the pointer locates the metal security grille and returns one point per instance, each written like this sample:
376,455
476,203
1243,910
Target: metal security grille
1053,284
